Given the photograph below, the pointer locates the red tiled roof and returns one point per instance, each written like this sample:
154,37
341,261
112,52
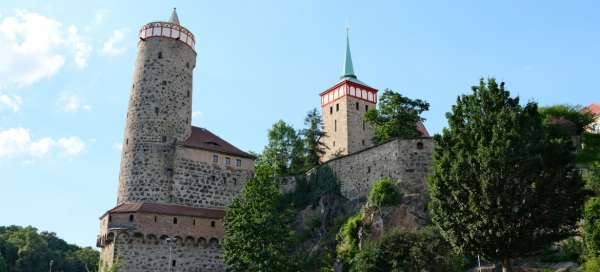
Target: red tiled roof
167,209
421,128
202,138
594,108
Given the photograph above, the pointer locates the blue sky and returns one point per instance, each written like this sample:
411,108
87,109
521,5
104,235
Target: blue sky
66,67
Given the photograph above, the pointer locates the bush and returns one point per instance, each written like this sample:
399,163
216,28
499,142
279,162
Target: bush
423,250
591,265
591,227
384,193
348,239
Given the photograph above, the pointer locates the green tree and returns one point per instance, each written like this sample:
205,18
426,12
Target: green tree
591,226
384,193
576,114
396,116
311,136
284,152
258,236
501,186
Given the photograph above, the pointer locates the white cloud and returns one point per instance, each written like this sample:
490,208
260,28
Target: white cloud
72,103
34,47
82,49
12,102
18,142
112,46
72,146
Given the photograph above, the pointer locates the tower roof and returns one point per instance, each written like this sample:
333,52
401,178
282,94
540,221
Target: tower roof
348,71
174,18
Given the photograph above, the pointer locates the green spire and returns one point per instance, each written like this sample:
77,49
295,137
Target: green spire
348,71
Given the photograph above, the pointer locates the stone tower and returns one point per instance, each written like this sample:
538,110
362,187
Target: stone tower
159,112
175,179
343,107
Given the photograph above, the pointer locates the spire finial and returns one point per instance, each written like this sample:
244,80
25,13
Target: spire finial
174,18
348,71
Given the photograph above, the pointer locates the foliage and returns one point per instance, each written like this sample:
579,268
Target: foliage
384,193
308,191
347,238
590,151
571,249
576,114
591,175
501,186
591,226
311,136
115,267
258,236
26,249
591,265
284,152
396,117
423,250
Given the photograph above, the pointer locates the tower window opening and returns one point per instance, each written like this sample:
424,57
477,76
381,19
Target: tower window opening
363,142
155,218
169,172
334,125
164,139
156,110
366,107
174,263
419,145
356,105
187,65
337,107
188,93
160,55
194,221
175,220
212,224
330,110
126,141
131,217
369,169
333,143
110,218
164,82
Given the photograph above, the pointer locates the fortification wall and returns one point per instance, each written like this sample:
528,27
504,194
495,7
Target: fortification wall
138,252
405,161
204,184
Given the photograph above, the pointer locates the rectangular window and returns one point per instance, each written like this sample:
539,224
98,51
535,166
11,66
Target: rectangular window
238,163
330,110
366,107
337,107
169,172
334,125
215,158
356,105
227,160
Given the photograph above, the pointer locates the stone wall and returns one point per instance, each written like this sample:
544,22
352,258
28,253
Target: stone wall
140,252
405,161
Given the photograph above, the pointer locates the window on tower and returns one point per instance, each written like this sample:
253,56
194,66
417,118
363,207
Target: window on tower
160,55
330,110
356,105
337,107
164,139
366,107
334,125
175,220
131,218
156,110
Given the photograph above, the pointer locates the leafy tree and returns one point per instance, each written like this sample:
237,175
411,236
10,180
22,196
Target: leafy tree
258,236
423,250
591,176
284,152
312,135
384,193
397,116
591,226
576,114
501,186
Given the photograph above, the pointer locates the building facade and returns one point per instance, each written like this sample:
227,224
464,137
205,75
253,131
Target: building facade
175,180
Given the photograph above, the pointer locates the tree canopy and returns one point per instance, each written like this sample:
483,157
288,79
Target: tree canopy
258,236
577,114
396,116
501,185
284,153
311,136
24,249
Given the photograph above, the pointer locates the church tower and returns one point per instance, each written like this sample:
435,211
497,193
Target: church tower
159,113
343,107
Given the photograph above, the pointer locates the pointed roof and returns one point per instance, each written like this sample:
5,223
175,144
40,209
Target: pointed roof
174,18
348,71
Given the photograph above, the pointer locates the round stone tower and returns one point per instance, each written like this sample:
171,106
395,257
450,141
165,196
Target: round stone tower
159,111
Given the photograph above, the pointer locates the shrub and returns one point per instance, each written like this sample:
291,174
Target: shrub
384,193
591,227
591,265
348,239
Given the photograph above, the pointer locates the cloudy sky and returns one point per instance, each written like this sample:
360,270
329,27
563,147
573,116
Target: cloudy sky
65,72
